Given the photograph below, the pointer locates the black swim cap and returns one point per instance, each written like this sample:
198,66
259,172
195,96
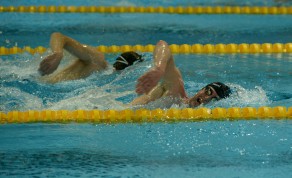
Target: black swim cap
221,89
127,59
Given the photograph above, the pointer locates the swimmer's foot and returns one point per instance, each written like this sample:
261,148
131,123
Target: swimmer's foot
149,80
50,63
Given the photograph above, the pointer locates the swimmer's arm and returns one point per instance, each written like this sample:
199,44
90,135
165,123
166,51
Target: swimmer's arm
156,93
162,55
51,62
172,78
141,100
164,70
85,54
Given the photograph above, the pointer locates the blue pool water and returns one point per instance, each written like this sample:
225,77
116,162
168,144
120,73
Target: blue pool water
121,29
256,80
251,148
202,149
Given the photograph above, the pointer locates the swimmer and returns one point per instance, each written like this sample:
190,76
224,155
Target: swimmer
89,60
165,79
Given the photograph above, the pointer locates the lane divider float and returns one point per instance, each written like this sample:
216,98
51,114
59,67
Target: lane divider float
144,115
273,10
253,48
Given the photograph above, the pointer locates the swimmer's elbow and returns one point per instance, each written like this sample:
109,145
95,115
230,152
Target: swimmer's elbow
56,35
101,65
104,64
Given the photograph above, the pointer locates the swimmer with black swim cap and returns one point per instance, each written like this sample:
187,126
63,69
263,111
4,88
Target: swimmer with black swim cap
89,60
215,90
165,79
127,59
162,79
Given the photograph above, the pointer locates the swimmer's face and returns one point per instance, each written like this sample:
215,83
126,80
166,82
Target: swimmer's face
204,96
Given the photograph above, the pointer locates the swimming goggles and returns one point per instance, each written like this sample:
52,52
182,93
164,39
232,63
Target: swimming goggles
209,92
123,60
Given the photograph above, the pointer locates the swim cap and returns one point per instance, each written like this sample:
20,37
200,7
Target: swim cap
221,89
127,59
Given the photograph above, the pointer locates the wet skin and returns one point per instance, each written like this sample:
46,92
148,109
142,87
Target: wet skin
204,96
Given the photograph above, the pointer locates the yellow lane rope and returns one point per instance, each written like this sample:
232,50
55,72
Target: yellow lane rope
144,115
183,49
133,9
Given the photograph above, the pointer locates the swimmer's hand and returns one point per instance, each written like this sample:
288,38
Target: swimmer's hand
149,80
50,63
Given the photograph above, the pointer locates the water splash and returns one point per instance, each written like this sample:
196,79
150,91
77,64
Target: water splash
20,83
14,99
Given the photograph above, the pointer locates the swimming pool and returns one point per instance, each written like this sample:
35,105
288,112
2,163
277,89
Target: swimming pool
251,148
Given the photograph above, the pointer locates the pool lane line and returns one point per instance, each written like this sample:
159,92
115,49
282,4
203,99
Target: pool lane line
242,48
261,10
145,115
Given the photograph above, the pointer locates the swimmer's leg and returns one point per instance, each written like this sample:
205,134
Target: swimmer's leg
86,54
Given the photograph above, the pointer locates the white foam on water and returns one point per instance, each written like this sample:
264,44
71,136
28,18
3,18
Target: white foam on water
87,95
95,98
242,97
19,67
14,99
